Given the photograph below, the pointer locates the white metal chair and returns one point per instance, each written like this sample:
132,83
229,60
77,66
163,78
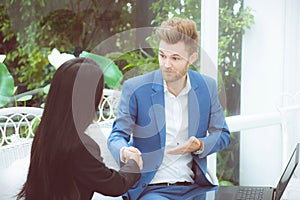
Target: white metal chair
108,107
16,132
17,126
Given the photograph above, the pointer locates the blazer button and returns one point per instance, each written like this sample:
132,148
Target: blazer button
156,167
144,185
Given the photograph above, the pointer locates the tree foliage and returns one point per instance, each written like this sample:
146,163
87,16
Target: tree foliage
187,8
31,29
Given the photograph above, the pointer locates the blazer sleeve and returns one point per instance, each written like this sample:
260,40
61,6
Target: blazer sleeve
218,133
91,172
124,124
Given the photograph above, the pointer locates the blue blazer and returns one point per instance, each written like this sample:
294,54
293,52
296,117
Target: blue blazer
141,123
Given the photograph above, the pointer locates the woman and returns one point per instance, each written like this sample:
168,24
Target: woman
65,162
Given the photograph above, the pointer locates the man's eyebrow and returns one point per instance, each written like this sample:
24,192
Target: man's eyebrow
174,55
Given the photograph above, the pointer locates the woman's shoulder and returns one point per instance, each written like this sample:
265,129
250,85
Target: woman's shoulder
87,145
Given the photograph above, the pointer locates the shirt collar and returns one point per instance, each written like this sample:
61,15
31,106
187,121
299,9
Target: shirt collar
185,90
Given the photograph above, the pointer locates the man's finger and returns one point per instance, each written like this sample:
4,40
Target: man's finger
134,150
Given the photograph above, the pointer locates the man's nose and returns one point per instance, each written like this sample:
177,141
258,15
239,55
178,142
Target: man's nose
168,63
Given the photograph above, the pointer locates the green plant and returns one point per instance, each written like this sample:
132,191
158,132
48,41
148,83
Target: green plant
26,60
30,29
165,9
137,62
234,19
7,89
6,85
228,162
26,132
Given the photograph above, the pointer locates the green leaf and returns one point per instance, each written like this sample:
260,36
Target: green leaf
25,98
112,75
15,89
6,85
225,183
46,89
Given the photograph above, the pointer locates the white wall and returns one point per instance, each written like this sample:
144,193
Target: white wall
261,92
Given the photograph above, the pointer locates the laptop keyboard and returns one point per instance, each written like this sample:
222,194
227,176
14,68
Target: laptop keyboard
250,193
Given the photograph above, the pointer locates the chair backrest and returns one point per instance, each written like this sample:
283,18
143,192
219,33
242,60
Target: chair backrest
17,125
16,132
108,107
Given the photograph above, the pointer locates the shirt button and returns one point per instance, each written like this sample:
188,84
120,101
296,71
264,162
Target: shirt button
144,185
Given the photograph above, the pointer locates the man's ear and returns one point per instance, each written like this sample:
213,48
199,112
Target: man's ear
193,58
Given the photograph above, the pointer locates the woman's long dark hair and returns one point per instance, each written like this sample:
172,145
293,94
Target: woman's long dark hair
75,93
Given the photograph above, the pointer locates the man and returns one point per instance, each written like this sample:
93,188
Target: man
165,115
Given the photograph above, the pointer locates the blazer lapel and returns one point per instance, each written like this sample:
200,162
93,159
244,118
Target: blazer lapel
194,113
158,104
199,105
193,107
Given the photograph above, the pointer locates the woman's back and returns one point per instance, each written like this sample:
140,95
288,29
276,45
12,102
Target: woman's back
65,163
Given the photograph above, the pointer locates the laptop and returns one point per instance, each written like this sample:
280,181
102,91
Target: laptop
263,193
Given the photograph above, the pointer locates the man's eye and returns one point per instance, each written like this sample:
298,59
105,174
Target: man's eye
176,58
162,56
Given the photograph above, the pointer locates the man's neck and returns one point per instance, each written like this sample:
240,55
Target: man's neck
177,86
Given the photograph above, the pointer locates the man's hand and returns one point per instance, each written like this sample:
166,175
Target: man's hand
131,153
191,145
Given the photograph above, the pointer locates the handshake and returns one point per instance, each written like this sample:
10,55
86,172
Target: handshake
192,145
127,153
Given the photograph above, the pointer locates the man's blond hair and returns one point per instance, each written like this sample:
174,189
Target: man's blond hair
178,29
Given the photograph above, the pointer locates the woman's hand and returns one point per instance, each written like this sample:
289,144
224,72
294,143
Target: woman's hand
132,153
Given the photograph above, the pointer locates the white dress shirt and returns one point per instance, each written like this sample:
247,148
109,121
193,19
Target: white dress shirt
176,168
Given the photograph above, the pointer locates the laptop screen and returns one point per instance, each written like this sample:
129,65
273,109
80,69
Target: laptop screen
288,172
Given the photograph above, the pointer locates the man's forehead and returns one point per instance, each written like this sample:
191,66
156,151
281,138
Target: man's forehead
177,49
169,52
